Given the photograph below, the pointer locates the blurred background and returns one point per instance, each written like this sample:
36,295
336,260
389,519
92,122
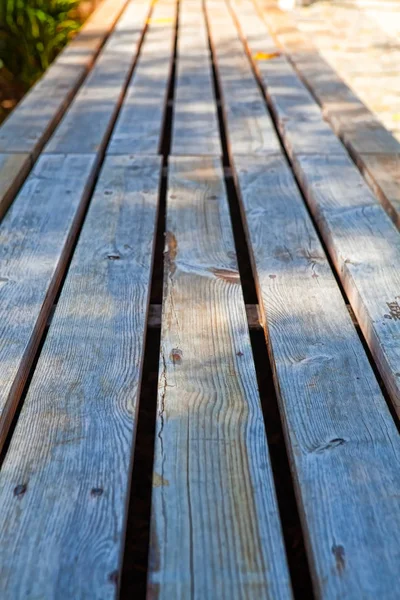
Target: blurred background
360,39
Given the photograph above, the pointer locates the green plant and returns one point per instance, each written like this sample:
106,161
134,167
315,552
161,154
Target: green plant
32,32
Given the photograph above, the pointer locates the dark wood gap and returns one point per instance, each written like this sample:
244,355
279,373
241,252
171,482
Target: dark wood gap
245,269
252,311
137,535
288,509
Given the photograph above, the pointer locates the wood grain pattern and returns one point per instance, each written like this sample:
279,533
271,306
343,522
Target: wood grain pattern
365,247
64,485
195,124
30,125
36,237
250,129
344,446
215,525
140,124
88,122
13,170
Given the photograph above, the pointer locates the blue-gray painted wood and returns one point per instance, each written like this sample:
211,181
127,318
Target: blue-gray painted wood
360,237
243,104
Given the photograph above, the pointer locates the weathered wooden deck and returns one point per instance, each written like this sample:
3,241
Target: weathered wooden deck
185,120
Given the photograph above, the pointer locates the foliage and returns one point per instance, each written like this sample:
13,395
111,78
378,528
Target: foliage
32,32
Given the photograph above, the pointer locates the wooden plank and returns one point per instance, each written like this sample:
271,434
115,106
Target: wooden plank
344,447
64,485
13,170
29,126
338,102
215,528
299,118
195,124
88,122
382,173
36,238
370,140
140,123
360,238
250,128
365,248
92,35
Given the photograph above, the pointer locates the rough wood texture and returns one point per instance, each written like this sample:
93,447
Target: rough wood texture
64,484
215,525
195,125
88,122
382,172
365,248
299,118
36,237
140,123
250,128
29,126
13,170
344,446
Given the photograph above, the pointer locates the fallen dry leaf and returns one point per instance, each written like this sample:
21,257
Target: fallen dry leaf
266,55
